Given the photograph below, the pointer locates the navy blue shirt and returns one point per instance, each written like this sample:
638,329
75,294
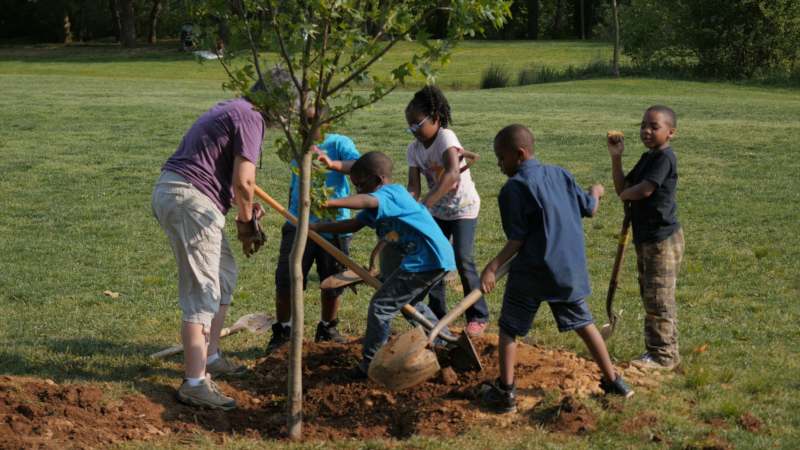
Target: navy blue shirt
543,206
653,218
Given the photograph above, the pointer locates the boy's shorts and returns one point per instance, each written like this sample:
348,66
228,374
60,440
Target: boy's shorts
327,265
520,307
195,227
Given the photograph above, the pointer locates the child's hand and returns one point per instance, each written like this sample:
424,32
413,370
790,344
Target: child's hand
616,143
488,280
597,189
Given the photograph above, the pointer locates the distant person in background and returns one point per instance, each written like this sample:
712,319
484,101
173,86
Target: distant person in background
213,169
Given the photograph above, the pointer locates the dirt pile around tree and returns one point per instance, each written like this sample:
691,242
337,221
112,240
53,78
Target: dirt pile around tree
42,414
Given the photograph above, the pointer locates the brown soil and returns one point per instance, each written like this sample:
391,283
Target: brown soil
750,423
40,414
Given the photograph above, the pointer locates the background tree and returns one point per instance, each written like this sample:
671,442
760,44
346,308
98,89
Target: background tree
329,47
719,38
128,24
115,25
533,19
153,20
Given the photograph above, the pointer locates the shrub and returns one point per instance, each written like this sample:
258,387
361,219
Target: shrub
495,76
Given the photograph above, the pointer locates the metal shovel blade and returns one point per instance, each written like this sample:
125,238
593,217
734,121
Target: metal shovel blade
404,362
463,355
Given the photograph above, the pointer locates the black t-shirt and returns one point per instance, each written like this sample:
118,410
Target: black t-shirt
653,218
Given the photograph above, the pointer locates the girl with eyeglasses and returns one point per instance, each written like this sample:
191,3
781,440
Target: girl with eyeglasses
451,199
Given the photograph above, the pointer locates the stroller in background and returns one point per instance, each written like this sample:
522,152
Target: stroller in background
187,36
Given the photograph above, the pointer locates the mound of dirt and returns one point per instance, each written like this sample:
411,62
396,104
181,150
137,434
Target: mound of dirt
41,414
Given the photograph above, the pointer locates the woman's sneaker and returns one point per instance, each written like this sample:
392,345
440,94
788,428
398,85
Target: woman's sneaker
618,387
223,367
207,395
500,400
475,328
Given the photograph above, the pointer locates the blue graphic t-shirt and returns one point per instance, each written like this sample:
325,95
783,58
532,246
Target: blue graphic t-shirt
338,148
410,230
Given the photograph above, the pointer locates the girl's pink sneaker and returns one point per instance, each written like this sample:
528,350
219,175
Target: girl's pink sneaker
475,328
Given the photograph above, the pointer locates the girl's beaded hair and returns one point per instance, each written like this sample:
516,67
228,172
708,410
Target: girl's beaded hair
430,100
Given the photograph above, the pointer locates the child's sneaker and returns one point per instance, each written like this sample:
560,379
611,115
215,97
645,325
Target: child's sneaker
500,400
329,333
646,361
280,337
223,367
355,374
207,395
475,328
618,386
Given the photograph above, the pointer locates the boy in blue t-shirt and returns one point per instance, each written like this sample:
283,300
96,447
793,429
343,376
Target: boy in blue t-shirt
339,155
410,230
541,209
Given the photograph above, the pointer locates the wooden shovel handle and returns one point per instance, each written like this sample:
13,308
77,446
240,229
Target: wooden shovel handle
624,236
179,348
468,301
408,310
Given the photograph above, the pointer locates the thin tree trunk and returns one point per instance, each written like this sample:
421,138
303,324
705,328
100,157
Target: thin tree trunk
557,19
583,25
533,19
112,8
224,31
65,23
128,25
294,420
153,20
616,38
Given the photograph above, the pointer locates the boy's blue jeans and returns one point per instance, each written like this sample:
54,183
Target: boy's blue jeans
463,233
399,289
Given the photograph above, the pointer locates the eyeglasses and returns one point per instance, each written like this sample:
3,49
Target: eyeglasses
360,186
415,128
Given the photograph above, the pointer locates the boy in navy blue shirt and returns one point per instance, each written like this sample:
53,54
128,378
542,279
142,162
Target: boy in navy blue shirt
410,230
541,209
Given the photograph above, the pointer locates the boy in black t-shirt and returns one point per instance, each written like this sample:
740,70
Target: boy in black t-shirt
657,234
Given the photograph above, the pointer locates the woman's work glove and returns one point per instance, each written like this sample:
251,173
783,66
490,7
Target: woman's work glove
251,234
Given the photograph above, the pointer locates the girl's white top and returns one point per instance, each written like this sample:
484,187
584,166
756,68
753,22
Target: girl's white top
462,200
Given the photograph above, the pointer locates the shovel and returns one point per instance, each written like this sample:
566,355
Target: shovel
410,359
624,235
255,323
408,310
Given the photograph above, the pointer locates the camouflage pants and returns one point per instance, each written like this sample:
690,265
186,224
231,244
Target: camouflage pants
658,264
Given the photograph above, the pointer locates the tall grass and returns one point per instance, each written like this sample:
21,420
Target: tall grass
495,76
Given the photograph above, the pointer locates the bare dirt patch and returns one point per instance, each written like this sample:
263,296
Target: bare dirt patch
40,414
750,423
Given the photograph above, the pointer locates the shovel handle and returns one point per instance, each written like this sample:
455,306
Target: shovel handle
613,284
468,301
408,310
179,348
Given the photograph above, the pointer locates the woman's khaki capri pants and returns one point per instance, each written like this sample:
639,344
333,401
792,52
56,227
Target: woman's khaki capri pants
195,227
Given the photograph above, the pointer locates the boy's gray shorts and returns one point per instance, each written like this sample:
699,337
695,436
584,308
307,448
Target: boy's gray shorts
195,227
520,308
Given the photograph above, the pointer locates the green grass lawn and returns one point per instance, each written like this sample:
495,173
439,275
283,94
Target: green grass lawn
85,131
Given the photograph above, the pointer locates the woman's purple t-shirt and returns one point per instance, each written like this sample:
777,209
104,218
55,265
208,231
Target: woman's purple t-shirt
205,156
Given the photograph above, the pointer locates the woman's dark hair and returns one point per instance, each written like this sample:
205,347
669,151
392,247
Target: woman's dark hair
430,100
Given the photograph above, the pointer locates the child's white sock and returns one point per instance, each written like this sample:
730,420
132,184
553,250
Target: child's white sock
194,382
324,324
286,324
